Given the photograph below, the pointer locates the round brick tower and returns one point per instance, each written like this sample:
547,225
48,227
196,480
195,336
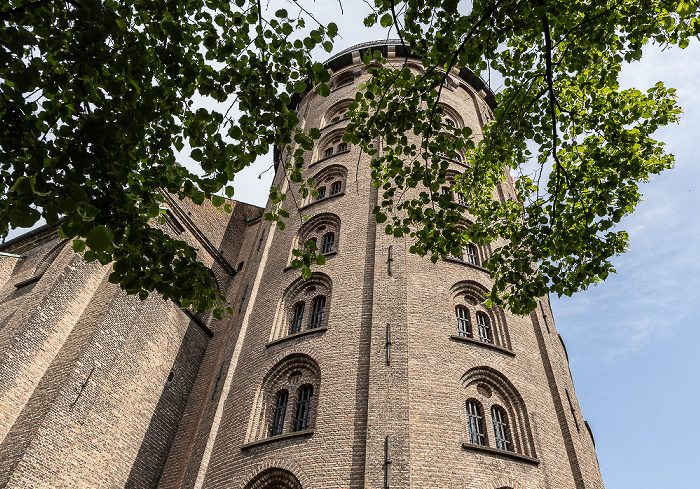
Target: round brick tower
383,369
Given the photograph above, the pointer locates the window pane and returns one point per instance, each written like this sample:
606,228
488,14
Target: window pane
303,416
500,428
474,423
342,147
318,312
298,318
321,193
278,414
328,241
482,323
335,189
472,255
463,326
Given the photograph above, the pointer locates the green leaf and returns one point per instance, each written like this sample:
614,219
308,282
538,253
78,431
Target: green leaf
99,239
386,20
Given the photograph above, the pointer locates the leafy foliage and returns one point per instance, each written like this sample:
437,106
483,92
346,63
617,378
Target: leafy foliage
97,98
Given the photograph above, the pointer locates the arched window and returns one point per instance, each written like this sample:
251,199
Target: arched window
342,147
482,324
303,414
328,182
336,188
475,425
328,152
303,307
472,254
318,312
329,145
463,325
328,241
278,414
500,428
298,318
290,386
488,392
337,112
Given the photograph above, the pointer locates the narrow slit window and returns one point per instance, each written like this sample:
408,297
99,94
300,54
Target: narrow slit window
328,242
482,323
475,424
500,428
318,312
278,414
463,326
303,415
298,318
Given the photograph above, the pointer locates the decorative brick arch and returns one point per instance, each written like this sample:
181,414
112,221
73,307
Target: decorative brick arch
472,295
334,141
275,471
324,181
337,112
491,383
290,374
503,483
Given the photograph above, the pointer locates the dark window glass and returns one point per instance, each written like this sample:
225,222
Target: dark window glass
500,428
328,241
298,318
475,423
321,193
472,254
335,119
328,152
336,188
345,81
446,191
303,416
278,414
318,312
342,147
482,323
461,199
463,326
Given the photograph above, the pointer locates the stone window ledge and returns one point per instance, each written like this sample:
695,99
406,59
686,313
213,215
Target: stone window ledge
464,262
295,335
29,281
334,123
472,341
318,201
503,453
272,439
325,158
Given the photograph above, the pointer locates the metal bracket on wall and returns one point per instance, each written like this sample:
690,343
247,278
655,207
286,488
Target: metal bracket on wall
388,343
387,462
389,260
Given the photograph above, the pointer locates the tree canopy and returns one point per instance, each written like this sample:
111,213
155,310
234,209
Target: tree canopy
100,97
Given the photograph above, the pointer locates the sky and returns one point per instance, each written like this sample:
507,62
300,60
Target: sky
631,340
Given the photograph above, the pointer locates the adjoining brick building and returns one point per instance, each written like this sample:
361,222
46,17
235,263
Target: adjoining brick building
381,370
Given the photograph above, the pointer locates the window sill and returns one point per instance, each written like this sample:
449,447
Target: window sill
472,341
318,201
503,453
457,162
272,439
29,281
295,335
334,123
464,262
327,255
325,158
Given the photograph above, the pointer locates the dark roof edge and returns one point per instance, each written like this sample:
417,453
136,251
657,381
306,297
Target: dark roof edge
344,58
